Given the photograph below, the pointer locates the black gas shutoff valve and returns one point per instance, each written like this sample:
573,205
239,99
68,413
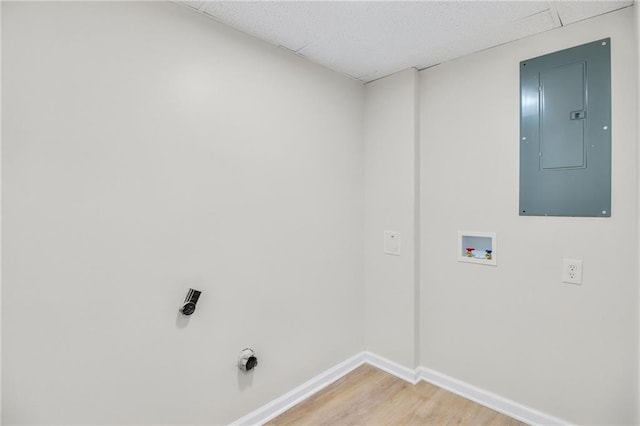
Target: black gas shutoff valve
189,305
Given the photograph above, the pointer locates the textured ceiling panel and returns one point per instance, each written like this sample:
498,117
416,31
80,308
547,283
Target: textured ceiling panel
287,23
392,36
370,39
574,11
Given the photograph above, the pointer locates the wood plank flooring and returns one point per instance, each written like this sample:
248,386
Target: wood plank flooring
368,396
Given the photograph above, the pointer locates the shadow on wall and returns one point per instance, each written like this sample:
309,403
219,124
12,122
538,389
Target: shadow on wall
245,380
181,320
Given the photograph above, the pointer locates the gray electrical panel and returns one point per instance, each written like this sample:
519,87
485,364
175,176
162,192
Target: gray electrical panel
565,132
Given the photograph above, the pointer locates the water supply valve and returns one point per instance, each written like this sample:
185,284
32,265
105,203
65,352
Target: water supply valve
247,360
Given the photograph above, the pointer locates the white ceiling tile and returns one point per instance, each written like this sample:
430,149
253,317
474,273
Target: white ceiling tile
574,11
293,24
396,36
370,39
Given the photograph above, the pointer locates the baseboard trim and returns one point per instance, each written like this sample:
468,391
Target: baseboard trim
483,397
488,399
392,367
279,405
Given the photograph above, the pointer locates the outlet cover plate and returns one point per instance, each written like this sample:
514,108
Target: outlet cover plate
572,271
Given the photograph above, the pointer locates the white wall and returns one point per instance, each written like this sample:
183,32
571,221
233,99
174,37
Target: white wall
516,329
0,223
147,149
390,198
636,9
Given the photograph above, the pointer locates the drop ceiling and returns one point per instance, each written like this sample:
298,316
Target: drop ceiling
368,40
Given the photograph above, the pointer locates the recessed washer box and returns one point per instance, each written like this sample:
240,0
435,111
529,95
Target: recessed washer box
477,247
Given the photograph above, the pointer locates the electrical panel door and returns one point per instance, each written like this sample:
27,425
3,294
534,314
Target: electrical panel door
565,132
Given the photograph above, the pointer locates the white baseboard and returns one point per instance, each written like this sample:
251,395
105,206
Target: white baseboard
496,402
488,399
279,405
392,367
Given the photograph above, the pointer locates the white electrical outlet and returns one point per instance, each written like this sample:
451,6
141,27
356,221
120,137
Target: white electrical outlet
572,271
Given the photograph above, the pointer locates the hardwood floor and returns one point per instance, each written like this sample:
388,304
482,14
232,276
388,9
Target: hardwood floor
368,396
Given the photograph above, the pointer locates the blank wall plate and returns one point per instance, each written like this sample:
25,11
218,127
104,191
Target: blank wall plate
392,242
